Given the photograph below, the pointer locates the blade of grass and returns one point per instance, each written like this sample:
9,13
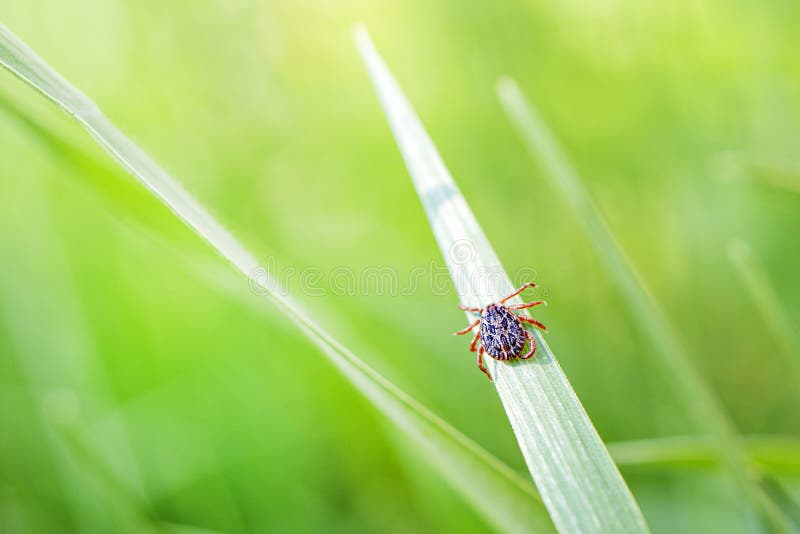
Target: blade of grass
782,175
577,479
766,300
779,455
506,501
672,355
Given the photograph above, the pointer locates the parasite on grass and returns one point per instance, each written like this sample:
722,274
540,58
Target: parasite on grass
502,334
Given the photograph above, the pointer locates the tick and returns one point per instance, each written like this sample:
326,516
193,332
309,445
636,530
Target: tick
502,333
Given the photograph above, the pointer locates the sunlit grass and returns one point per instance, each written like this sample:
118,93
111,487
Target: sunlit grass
580,485
778,455
236,422
506,501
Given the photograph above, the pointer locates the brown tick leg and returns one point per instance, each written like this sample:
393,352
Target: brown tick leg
533,345
480,365
526,305
467,308
517,292
534,322
467,329
475,341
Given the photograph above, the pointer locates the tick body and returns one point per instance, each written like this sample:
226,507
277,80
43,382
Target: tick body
502,334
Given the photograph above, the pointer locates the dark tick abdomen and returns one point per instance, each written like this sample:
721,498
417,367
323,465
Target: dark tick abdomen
502,334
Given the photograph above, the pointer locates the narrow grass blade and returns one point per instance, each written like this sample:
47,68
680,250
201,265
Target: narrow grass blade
766,300
672,356
507,502
781,175
777,455
573,471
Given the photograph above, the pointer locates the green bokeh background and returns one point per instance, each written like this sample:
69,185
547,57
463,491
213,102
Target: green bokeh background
139,391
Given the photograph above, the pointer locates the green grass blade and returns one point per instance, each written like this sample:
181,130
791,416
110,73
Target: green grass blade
506,501
700,401
668,453
573,471
778,455
781,175
767,301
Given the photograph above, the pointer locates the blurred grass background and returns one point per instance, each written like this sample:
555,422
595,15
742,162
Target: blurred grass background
136,394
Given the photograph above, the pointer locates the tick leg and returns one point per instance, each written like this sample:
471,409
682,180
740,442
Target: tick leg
467,308
526,305
534,322
474,341
517,292
533,345
480,365
467,329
